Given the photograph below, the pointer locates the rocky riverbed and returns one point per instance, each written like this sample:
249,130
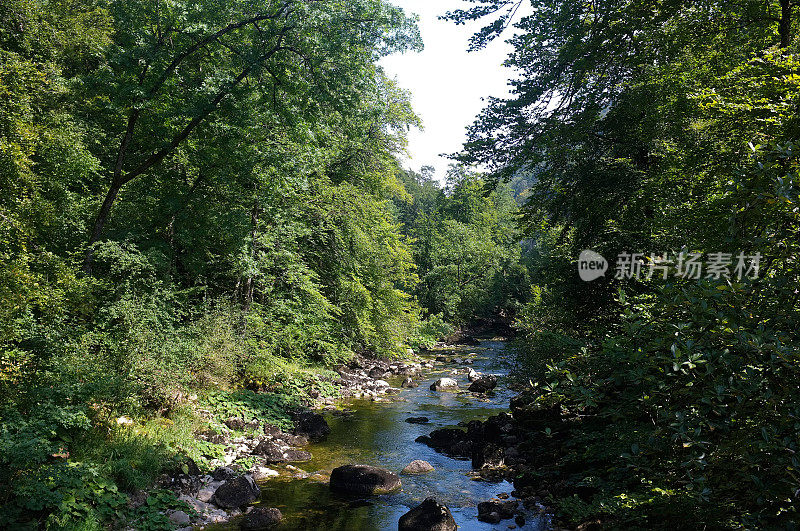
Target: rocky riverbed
432,434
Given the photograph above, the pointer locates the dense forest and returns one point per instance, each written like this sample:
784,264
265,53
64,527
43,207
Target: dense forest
201,201
202,211
668,129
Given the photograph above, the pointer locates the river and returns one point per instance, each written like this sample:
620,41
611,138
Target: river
376,433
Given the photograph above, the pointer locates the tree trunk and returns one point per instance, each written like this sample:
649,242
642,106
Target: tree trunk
785,24
99,223
249,284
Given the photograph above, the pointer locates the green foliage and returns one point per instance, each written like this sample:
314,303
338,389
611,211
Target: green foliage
265,407
369,269
466,247
151,515
634,133
430,330
244,154
60,468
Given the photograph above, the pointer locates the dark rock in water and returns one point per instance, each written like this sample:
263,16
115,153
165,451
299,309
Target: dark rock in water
237,492
497,427
444,384
504,509
312,425
490,518
446,437
409,383
475,430
519,520
364,479
271,450
223,473
261,518
428,516
442,359
416,467
451,441
487,455
484,384
512,452
417,420
375,372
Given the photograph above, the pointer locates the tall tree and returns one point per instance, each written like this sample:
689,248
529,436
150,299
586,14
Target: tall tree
177,65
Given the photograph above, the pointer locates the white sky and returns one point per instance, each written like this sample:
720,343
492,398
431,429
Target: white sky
446,82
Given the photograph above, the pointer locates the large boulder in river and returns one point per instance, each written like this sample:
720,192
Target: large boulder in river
428,516
364,479
261,518
442,438
417,467
237,492
313,426
484,384
293,440
444,384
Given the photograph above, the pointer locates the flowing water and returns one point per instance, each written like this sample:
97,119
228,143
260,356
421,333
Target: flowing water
375,433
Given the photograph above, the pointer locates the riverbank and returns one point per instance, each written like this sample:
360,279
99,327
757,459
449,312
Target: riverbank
377,422
253,440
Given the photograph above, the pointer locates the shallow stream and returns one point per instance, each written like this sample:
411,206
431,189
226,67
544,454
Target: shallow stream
376,433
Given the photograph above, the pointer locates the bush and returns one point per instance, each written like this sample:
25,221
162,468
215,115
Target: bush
265,407
692,397
430,330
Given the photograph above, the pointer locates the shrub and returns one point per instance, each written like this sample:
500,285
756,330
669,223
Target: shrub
430,330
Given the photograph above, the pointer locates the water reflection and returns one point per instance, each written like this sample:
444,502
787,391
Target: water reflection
376,433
